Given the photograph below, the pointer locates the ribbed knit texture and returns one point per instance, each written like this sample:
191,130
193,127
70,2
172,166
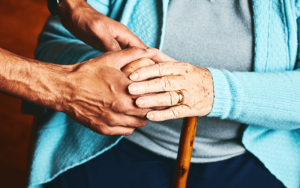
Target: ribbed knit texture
150,15
268,100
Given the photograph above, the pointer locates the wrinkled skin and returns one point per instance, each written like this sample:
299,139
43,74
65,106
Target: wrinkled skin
97,95
195,83
93,93
94,28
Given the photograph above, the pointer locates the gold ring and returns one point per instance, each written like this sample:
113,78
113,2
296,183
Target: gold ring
180,100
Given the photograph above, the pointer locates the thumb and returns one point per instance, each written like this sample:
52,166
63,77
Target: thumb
127,38
160,56
110,43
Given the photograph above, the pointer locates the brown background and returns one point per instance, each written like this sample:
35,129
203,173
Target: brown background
20,23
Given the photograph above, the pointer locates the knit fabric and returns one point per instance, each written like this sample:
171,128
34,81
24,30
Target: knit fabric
268,101
249,95
150,15
204,33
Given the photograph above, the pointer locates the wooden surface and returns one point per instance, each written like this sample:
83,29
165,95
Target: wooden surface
185,150
20,23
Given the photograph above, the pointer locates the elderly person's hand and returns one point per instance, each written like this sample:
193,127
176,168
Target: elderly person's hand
194,83
94,28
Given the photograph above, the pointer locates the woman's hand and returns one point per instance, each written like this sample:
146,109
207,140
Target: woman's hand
195,83
94,28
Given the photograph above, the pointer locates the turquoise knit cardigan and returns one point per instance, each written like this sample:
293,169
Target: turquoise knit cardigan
268,99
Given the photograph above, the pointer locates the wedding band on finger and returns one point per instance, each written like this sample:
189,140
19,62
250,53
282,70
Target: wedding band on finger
180,99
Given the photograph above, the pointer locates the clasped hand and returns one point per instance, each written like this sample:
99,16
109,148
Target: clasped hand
99,94
195,83
94,93
112,111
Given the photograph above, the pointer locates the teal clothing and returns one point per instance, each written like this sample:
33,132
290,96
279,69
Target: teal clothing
267,99
217,34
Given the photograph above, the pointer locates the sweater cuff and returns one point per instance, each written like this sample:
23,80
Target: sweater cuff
222,95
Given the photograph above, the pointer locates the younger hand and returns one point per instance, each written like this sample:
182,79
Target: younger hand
94,28
94,93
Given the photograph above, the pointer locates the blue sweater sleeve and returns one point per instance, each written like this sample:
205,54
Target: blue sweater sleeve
268,100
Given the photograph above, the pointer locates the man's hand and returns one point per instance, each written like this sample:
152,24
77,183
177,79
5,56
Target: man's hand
94,93
94,28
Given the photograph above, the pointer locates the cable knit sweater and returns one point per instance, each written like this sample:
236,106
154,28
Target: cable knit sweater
268,100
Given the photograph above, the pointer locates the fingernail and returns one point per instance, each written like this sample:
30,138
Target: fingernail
134,76
150,116
139,102
132,88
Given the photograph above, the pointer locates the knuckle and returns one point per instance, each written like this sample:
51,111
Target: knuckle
105,130
145,72
125,29
165,83
110,120
150,49
141,123
119,106
135,49
114,45
160,67
146,87
95,25
173,98
154,51
175,112
148,61
129,132
113,122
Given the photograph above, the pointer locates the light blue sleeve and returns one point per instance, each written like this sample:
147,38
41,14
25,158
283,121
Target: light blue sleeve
265,99
268,100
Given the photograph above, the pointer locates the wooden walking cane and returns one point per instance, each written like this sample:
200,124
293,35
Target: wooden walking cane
185,150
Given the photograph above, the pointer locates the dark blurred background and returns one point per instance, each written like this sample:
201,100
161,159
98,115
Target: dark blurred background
20,23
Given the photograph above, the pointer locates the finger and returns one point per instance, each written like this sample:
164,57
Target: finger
162,99
117,120
160,56
131,54
170,113
157,70
126,105
133,66
134,111
107,130
109,42
128,55
166,83
127,39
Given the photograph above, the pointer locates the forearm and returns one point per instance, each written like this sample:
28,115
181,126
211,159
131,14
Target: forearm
32,80
269,100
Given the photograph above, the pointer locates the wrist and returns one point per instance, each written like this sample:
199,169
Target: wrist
45,84
222,95
53,85
67,6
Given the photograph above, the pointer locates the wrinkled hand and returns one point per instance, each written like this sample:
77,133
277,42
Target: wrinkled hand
94,28
195,83
95,93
